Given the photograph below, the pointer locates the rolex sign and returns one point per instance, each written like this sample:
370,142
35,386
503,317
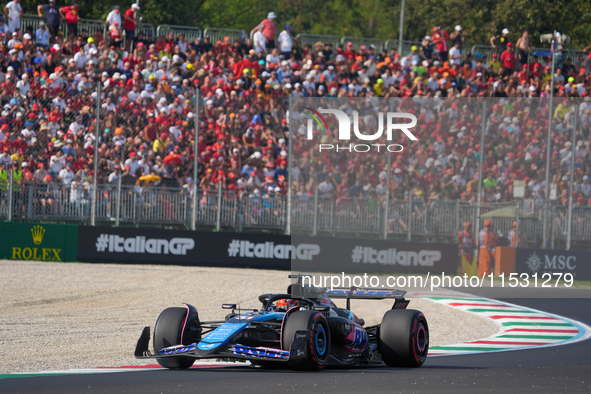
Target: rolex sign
38,241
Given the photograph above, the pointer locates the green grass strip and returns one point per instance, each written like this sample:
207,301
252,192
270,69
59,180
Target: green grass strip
536,336
516,323
499,310
465,349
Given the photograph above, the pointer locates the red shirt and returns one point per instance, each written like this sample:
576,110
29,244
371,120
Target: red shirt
269,29
71,14
5,144
508,60
115,33
130,13
441,45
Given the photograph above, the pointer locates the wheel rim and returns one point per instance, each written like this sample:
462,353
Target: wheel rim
422,339
320,340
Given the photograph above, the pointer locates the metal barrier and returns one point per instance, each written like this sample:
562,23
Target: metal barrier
574,55
92,26
359,41
161,206
406,45
485,50
216,34
312,39
191,32
147,28
263,211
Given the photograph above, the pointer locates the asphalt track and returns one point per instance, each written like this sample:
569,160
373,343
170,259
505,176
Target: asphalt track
556,369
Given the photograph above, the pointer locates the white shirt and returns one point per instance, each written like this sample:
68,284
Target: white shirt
133,165
23,87
260,43
56,164
133,95
285,41
74,126
6,159
453,52
586,188
80,58
14,10
59,102
53,128
113,177
27,135
176,133
114,17
66,174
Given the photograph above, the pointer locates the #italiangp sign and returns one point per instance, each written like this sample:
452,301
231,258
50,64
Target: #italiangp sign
38,241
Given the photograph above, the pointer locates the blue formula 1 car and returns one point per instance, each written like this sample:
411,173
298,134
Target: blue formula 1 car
301,332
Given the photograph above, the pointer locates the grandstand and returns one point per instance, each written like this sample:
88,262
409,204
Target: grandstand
143,107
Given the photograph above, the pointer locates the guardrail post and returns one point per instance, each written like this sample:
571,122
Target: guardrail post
31,189
480,177
569,214
195,165
218,216
289,167
458,225
315,217
118,204
10,183
240,220
409,235
96,143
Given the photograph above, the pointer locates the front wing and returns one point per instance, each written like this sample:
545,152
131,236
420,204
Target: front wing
230,351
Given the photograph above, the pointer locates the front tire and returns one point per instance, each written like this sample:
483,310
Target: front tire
168,332
404,338
312,347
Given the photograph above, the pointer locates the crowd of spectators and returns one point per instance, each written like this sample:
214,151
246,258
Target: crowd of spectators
147,106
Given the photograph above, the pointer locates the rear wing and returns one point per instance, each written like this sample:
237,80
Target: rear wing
352,293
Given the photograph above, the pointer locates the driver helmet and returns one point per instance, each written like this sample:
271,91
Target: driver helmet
286,304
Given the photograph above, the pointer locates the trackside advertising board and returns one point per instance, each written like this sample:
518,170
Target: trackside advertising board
38,241
352,255
541,261
131,245
140,246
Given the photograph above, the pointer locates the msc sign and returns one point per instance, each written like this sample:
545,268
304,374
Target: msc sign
540,261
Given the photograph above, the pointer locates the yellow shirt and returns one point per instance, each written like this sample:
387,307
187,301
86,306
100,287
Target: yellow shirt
16,158
159,146
561,111
494,66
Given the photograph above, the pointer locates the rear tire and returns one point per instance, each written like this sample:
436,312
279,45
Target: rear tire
404,338
168,332
314,349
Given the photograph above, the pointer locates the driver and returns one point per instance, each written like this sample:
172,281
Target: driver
286,304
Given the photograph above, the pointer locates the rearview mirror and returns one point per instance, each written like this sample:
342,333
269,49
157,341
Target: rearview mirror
229,306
